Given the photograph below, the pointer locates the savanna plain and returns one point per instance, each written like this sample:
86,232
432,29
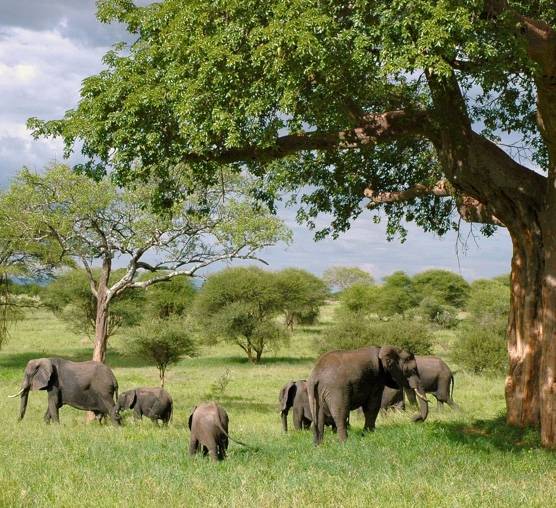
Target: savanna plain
456,458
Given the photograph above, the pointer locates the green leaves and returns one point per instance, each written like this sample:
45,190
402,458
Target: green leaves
206,77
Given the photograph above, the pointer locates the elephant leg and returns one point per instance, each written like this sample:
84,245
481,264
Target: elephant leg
339,410
53,407
222,447
193,445
47,416
371,409
340,419
137,414
306,423
318,425
297,419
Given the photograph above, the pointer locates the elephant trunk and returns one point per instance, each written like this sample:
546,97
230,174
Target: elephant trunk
415,384
284,416
23,403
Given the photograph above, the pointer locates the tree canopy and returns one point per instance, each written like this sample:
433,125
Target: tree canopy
239,305
339,278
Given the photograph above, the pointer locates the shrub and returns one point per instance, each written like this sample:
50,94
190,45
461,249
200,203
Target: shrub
481,350
358,298
396,296
355,330
435,312
163,342
446,287
488,300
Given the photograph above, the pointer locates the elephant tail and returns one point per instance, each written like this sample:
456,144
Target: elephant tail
453,382
236,440
171,416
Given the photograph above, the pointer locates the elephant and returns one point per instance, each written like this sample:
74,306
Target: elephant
90,386
208,424
345,380
154,403
294,394
436,377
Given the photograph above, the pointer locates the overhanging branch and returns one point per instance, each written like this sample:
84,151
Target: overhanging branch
376,128
470,209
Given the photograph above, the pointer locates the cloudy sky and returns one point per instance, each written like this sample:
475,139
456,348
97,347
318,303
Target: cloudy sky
48,46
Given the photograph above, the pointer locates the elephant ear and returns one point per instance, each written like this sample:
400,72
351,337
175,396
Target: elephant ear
42,375
287,395
131,399
388,357
190,421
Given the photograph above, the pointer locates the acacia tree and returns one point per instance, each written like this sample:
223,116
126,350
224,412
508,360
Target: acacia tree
96,222
343,277
402,102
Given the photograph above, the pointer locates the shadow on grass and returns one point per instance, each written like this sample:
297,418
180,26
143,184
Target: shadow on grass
491,433
113,358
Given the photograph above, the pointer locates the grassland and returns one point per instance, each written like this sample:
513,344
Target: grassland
467,458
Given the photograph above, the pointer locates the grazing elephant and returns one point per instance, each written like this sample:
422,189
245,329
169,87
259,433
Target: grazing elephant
154,403
345,380
90,386
294,394
208,424
436,378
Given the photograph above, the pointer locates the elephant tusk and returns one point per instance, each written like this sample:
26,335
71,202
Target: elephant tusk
16,394
420,396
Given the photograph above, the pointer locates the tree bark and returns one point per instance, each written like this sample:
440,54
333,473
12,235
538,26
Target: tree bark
102,316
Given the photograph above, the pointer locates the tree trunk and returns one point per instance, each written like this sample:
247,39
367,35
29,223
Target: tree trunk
102,317
531,383
101,328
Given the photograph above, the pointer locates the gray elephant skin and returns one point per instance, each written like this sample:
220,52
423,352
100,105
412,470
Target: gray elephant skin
345,380
90,386
437,379
154,403
294,395
208,424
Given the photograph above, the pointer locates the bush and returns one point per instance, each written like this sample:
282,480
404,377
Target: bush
446,287
488,300
435,312
163,342
481,350
355,330
358,298
396,296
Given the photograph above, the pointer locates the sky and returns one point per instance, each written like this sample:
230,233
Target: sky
48,47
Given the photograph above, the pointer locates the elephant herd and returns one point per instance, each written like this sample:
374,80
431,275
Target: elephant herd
370,378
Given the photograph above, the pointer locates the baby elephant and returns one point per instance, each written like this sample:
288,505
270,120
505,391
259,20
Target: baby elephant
294,395
209,429
154,403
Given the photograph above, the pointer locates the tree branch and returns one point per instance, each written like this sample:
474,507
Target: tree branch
469,208
376,128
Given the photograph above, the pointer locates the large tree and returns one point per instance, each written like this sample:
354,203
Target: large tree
401,101
97,223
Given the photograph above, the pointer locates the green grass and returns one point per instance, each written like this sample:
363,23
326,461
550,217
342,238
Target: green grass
468,458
